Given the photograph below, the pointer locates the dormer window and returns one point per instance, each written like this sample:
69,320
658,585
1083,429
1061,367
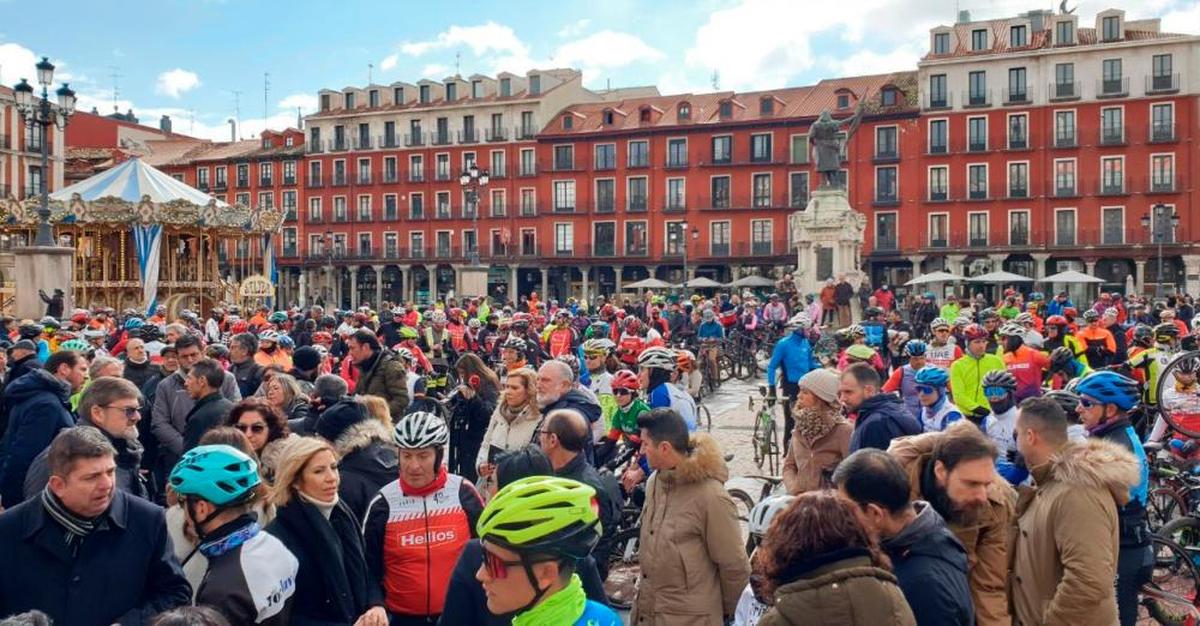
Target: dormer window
424,94
941,43
451,92
568,122
505,87
888,97
398,95
373,98
644,115
266,143
1110,28
608,118
1018,36
725,110
766,106
350,101
289,141
535,84
685,111
477,89
978,39
1064,33
325,102
843,101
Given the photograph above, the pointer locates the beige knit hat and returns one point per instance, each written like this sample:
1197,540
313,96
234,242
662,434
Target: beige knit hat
822,383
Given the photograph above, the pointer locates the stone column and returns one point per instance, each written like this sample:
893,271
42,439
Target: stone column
585,271
545,283
617,271
355,301
512,282
916,260
1039,264
406,283
997,261
1139,278
303,299
1191,273
337,287
378,286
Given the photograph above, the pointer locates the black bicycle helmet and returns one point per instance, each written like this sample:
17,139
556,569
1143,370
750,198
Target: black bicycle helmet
988,314
1166,329
1068,400
1061,357
1143,335
1000,378
29,330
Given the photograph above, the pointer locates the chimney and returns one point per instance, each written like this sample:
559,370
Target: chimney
1037,20
232,130
164,124
964,16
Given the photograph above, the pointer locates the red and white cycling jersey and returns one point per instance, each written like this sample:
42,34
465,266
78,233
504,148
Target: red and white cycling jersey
942,356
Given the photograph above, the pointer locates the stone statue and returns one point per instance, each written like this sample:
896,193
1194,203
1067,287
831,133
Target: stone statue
827,145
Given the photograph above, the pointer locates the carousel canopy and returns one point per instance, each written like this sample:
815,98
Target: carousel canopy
130,181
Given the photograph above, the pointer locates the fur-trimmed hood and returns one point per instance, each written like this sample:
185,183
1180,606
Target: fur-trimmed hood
704,461
1093,463
361,435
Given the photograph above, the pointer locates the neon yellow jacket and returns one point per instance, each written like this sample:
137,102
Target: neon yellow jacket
966,381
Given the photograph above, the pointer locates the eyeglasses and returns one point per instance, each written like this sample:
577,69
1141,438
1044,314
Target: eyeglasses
925,389
256,428
130,412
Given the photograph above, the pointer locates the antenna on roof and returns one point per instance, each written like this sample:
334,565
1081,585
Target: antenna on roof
299,119
191,121
457,63
716,80
114,74
266,96
370,70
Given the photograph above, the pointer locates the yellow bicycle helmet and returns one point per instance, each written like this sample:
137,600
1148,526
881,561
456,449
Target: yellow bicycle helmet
543,514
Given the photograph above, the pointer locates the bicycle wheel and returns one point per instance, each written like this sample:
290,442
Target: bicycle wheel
757,438
704,418
772,446
1170,595
1164,504
1175,407
623,569
726,369
1184,531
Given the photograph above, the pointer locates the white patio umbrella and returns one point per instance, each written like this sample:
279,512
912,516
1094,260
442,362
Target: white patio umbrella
753,281
999,277
1071,276
650,283
934,277
703,282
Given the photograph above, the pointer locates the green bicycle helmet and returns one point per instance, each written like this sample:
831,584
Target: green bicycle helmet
220,474
543,514
78,345
408,332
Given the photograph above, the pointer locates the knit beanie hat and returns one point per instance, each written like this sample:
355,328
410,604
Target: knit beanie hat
306,358
822,383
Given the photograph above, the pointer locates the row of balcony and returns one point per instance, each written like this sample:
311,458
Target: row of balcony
33,143
1018,239
1161,132
534,250
465,136
1061,91
244,183
1110,187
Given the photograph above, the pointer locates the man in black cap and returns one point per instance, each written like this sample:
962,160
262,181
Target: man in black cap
22,358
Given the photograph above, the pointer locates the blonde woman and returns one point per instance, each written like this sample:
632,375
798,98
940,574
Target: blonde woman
331,585
284,393
512,426
378,408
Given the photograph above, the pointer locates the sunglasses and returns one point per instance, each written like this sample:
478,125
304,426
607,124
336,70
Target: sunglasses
1087,404
622,392
497,568
130,412
995,392
255,428
925,389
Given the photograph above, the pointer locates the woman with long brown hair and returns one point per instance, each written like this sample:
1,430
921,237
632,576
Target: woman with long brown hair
470,412
512,426
822,567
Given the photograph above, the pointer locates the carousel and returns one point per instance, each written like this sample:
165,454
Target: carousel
143,238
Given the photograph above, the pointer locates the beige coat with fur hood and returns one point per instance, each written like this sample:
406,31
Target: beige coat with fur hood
693,558
1065,545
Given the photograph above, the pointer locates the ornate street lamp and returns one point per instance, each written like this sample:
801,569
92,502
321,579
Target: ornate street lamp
472,180
1156,223
39,115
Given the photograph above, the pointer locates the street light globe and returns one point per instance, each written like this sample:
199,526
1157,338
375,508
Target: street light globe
1146,221
464,179
483,179
45,71
23,93
66,99
473,171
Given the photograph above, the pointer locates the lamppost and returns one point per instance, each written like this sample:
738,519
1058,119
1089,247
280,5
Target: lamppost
1156,221
329,267
41,115
472,180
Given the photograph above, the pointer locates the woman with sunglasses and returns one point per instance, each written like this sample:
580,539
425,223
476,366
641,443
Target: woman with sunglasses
534,534
625,388
265,428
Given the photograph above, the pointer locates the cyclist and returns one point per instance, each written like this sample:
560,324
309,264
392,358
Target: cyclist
1058,335
862,353
990,320
625,386
1105,401
1099,342
1068,401
709,334
794,354
1182,402
1000,389
1140,338
875,331
687,375
1027,365
417,525
1033,336
634,340
753,605
560,338
903,378
655,366
1064,367
1151,362
937,411
251,576
942,350
534,532
967,373
513,353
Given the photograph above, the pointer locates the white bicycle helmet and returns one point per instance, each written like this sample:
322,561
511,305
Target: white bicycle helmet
1024,318
1012,330
601,345
269,335
421,429
938,323
657,358
801,321
765,511
406,354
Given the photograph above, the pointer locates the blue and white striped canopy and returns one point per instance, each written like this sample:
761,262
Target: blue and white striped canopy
130,181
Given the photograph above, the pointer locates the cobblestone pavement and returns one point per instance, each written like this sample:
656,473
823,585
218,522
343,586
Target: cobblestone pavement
733,427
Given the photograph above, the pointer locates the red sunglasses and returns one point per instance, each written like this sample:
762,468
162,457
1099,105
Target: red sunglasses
497,568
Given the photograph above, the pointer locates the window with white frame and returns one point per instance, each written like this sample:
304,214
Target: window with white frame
761,233
1018,228
977,229
719,238
1112,221
939,230
564,196
1162,173
1064,227
939,183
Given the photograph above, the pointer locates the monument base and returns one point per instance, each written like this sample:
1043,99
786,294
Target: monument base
46,268
472,281
828,234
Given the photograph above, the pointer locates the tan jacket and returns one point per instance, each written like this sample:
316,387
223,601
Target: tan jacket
693,558
848,592
986,541
808,467
511,436
1064,555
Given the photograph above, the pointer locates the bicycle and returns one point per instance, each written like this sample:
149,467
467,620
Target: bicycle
1175,487
1170,596
765,437
703,418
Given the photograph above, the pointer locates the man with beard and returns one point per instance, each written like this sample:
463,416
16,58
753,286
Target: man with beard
113,406
556,390
954,471
929,562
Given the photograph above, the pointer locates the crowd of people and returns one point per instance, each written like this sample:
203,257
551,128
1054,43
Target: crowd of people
471,462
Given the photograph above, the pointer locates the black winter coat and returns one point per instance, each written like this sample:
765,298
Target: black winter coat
208,413
368,462
931,566
331,584
123,572
469,421
38,409
881,418
577,401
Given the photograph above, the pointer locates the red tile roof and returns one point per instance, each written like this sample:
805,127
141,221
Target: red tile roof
960,42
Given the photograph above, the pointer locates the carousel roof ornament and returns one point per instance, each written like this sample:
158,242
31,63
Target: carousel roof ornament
134,192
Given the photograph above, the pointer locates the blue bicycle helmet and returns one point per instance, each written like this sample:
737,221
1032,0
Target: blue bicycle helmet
134,323
915,347
933,376
220,474
286,342
1110,388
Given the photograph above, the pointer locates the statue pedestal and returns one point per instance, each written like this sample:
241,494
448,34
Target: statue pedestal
46,268
472,281
828,234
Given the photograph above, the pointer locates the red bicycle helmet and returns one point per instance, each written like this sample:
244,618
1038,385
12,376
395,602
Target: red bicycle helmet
625,379
973,332
632,324
1056,320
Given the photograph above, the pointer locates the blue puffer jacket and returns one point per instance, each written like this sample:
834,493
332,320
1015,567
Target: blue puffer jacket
881,418
38,408
794,353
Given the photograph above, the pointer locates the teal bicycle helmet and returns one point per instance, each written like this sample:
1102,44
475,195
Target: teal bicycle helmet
78,345
220,474
1110,388
933,376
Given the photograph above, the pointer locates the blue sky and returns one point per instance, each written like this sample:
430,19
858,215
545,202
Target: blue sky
185,58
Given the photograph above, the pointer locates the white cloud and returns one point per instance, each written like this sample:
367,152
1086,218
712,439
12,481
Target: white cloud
1183,19
898,59
16,62
435,71
174,83
389,62
305,101
483,39
574,29
606,49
